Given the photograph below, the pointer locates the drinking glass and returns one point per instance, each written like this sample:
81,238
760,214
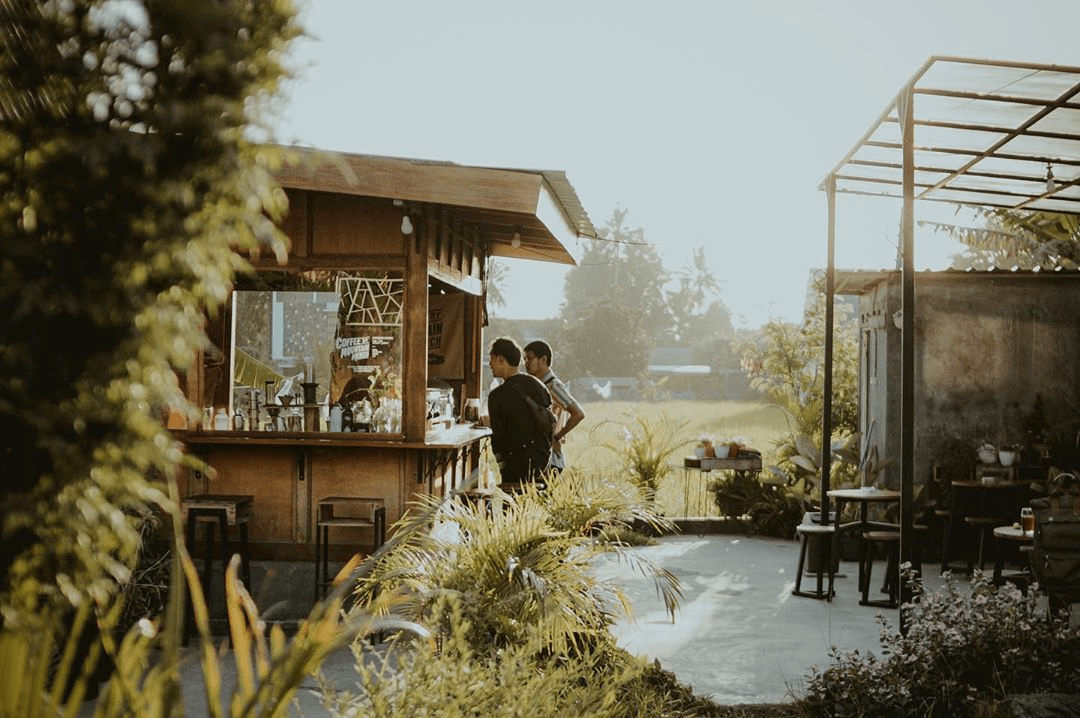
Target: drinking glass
1027,519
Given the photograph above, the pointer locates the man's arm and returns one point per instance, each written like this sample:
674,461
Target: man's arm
576,415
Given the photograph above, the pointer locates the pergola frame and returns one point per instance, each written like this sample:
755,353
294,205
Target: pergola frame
963,131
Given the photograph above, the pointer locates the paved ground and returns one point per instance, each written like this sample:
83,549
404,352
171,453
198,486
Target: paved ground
739,636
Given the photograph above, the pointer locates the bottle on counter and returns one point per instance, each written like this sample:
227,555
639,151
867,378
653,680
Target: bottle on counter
336,415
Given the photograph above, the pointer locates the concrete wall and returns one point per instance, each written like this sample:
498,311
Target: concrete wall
985,345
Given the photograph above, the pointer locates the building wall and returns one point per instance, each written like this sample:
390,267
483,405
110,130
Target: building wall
985,345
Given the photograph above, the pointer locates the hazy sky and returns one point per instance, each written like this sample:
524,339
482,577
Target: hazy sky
711,122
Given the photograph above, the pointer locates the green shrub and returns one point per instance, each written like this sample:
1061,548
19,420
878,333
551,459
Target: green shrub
519,569
644,447
458,678
771,509
963,649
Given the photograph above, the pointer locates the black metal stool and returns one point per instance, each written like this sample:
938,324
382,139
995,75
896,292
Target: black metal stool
344,512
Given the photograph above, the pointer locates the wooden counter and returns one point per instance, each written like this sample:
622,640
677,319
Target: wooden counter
288,472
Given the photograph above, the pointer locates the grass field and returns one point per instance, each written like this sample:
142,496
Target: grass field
759,425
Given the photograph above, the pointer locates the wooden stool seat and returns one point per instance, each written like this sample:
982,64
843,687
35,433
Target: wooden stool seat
824,534
344,512
223,510
891,542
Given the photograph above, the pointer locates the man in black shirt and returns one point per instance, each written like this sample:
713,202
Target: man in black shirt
518,444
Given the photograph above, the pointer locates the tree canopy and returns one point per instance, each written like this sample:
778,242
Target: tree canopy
1017,239
620,302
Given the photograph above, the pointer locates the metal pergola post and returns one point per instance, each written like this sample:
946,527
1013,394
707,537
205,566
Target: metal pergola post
826,398
905,110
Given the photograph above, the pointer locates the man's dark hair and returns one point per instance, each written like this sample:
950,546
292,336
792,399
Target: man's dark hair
506,348
539,348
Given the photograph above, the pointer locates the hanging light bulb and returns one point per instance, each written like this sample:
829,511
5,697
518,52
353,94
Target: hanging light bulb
406,225
516,241
1051,185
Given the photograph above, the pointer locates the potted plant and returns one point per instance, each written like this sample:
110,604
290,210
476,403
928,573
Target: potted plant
987,453
1008,454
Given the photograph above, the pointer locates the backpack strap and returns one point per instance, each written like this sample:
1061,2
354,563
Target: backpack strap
536,424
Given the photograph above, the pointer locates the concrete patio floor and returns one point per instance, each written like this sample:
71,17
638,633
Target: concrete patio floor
739,635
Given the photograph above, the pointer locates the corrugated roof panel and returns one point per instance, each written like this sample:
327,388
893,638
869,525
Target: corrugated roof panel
984,133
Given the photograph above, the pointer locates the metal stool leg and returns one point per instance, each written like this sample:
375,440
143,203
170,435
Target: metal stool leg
208,560
222,523
799,570
245,558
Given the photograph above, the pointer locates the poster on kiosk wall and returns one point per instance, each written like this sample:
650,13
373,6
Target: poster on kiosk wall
446,336
366,358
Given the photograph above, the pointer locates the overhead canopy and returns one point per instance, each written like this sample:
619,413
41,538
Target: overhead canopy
526,214
974,132
986,133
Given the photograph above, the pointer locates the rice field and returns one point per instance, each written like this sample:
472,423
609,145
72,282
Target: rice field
592,447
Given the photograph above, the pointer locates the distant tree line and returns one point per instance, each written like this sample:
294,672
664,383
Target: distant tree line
620,302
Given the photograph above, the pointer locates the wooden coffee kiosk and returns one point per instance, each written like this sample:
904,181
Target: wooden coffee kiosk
351,369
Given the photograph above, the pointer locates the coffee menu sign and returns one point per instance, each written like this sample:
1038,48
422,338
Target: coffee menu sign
366,358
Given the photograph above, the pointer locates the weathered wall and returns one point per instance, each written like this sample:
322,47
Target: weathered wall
985,345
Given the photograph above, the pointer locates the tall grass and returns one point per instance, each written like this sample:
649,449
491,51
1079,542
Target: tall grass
758,423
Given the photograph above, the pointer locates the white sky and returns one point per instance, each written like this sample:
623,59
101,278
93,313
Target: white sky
711,121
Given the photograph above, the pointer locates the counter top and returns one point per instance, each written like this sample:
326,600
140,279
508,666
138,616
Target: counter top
453,437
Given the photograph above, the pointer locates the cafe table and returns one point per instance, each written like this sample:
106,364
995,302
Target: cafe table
863,496
1003,537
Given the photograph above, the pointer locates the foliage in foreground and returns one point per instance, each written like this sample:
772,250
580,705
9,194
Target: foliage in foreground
144,661
520,625
520,570
458,680
126,186
964,649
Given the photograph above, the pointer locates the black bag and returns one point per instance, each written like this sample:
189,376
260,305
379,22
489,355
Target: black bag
543,417
1055,554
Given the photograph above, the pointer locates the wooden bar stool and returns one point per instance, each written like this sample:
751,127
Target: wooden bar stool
891,585
344,512
822,535
223,510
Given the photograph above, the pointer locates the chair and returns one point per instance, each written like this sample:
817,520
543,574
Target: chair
890,540
978,509
822,537
344,512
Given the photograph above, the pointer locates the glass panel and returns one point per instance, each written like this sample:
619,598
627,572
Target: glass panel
297,352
